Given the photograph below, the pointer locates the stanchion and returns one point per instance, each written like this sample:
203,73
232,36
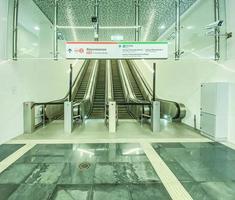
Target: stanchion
155,117
112,117
29,117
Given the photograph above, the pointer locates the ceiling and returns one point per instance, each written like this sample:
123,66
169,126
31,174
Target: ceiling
155,17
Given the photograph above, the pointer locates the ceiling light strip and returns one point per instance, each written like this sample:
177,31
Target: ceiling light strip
101,27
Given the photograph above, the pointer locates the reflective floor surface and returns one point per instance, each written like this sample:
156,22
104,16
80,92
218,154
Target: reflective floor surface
83,172
7,149
206,170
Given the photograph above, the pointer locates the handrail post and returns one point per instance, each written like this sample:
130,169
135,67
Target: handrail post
155,116
112,117
70,82
29,117
43,116
68,117
68,106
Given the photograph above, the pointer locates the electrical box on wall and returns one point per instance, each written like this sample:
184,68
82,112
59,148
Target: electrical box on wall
215,114
214,110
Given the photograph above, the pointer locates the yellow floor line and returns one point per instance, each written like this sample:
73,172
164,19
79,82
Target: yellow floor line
4,164
173,186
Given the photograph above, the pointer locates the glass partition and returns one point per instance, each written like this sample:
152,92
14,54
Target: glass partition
117,19
35,32
198,32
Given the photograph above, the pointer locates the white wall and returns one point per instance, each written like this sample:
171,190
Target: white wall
180,80
35,76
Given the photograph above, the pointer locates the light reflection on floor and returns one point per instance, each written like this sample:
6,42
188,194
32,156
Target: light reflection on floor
206,170
82,171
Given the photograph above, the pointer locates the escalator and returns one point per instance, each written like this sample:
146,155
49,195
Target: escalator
118,92
83,84
99,98
56,112
169,109
134,83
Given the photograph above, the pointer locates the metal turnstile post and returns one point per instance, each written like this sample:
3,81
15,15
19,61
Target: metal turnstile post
68,117
29,117
155,117
112,117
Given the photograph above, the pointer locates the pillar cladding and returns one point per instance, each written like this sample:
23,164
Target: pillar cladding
29,117
217,29
155,117
68,117
55,47
137,20
15,29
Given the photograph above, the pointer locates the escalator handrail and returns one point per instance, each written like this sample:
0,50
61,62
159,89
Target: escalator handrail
109,96
180,106
149,89
91,87
143,80
130,95
62,100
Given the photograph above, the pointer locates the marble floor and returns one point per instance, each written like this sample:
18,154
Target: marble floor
133,164
8,149
206,170
82,171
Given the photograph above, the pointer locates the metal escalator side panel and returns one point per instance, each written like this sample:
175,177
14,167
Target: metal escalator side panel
55,112
169,109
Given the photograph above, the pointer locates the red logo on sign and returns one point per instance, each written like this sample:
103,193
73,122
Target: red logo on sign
81,50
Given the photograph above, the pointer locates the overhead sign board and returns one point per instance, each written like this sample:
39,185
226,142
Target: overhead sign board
117,50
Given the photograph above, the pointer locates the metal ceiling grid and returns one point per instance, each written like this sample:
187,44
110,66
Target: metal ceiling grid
155,17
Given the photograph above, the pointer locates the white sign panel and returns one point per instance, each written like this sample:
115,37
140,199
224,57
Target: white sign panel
117,50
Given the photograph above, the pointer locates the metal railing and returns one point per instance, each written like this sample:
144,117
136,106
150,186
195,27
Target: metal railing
52,110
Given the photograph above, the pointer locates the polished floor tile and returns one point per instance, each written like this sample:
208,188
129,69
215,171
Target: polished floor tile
8,149
32,191
71,192
205,169
6,190
114,192
149,192
83,171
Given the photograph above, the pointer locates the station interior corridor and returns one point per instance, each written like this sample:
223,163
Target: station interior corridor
117,100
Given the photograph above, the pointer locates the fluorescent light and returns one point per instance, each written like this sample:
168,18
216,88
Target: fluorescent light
117,37
36,28
162,27
189,27
101,27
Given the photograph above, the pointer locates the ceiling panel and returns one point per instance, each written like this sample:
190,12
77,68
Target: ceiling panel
155,16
